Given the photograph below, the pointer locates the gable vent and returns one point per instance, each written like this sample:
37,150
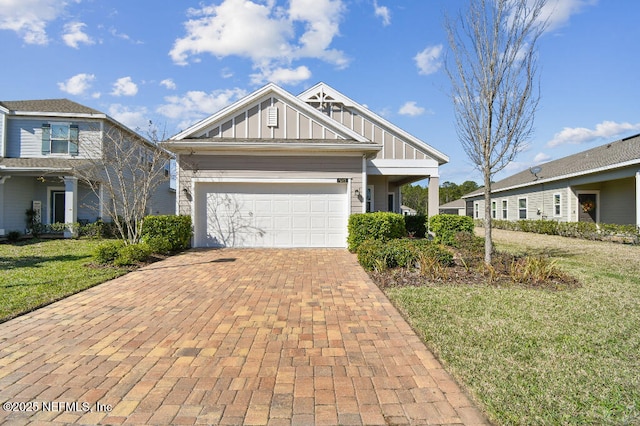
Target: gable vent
272,116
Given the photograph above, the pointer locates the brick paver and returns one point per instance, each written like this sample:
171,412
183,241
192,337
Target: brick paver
260,337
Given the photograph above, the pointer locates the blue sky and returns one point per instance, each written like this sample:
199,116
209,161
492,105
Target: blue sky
177,62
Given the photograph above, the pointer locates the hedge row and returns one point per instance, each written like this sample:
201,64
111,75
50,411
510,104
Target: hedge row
404,253
381,226
629,234
447,226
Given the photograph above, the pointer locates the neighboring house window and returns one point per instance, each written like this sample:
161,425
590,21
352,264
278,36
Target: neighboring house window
522,208
557,200
505,209
476,210
494,208
59,138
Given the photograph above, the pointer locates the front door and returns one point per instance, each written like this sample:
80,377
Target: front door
587,208
57,206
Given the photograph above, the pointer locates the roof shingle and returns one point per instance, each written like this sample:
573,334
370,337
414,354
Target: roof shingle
49,105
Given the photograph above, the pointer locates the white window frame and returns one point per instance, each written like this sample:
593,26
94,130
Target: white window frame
52,139
557,207
369,199
494,209
476,210
505,209
526,208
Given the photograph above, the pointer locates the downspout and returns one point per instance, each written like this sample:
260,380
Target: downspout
638,199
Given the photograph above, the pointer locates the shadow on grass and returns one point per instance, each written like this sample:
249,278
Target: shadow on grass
7,263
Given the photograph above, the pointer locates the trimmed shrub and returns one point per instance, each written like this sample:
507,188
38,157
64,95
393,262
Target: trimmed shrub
159,245
446,226
175,229
416,225
14,236
107,252
376,254
382,226
132,254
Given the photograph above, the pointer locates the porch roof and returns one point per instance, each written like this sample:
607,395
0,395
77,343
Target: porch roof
39,165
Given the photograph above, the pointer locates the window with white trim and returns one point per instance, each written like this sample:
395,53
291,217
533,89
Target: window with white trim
476,210
557,204
505,209
59,138
494,210
522,208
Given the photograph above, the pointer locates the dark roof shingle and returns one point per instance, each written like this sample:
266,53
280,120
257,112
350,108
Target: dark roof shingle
49,105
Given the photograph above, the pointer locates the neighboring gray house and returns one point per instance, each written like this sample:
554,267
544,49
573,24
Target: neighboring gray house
601,185
458,207
278,170
41,143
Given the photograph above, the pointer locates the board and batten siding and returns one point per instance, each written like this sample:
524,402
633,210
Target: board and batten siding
267,167
24,137
252,123
393,145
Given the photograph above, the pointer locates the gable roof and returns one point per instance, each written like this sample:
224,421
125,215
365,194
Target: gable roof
323,92
455,204
49,106
622,153
269,89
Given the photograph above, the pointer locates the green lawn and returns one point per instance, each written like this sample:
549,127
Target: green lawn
35,272
541,357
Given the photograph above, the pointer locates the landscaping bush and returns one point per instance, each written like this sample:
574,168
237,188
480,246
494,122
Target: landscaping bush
13,236
175,229
584,230
379,255
446,226
132,254
416,225
159,245
107,252
381,226
97,229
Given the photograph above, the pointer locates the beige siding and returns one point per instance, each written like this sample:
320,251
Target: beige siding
241,125
617,196
268,167
292,123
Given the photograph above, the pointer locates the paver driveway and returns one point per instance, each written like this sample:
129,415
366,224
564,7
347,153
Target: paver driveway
227,337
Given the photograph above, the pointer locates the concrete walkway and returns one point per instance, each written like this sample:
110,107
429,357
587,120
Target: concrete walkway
252,337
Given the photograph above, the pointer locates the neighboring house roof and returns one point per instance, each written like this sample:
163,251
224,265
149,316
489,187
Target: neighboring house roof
322,92
455,204
622,153
41,164
49,105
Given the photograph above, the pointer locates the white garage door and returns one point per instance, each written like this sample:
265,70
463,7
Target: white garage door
271,215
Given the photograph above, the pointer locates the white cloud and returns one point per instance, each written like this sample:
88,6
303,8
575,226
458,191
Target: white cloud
541,157
168,83
558,12
124,87
305,29
428,61
581,135
196,105
29,18
77,84
282,76
382,12
411,109
136,118
74,35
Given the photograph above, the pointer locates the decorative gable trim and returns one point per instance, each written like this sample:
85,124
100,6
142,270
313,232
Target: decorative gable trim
207,127
322,93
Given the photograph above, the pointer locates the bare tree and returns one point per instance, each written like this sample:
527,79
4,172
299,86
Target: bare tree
123,170
494,84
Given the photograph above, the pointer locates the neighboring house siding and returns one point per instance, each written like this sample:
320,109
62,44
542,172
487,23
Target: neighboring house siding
24,137
3,138
393,147
18,197
164,200
266,167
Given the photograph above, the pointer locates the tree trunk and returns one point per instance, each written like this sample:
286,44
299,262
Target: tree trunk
488,243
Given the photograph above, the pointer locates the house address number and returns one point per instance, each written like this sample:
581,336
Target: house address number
342,180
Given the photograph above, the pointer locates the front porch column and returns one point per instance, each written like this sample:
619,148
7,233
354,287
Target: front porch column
638,198
70,205
434,196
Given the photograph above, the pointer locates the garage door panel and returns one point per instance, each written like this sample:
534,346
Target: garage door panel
271,215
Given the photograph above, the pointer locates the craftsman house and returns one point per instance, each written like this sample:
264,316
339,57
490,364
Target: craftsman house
278,170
